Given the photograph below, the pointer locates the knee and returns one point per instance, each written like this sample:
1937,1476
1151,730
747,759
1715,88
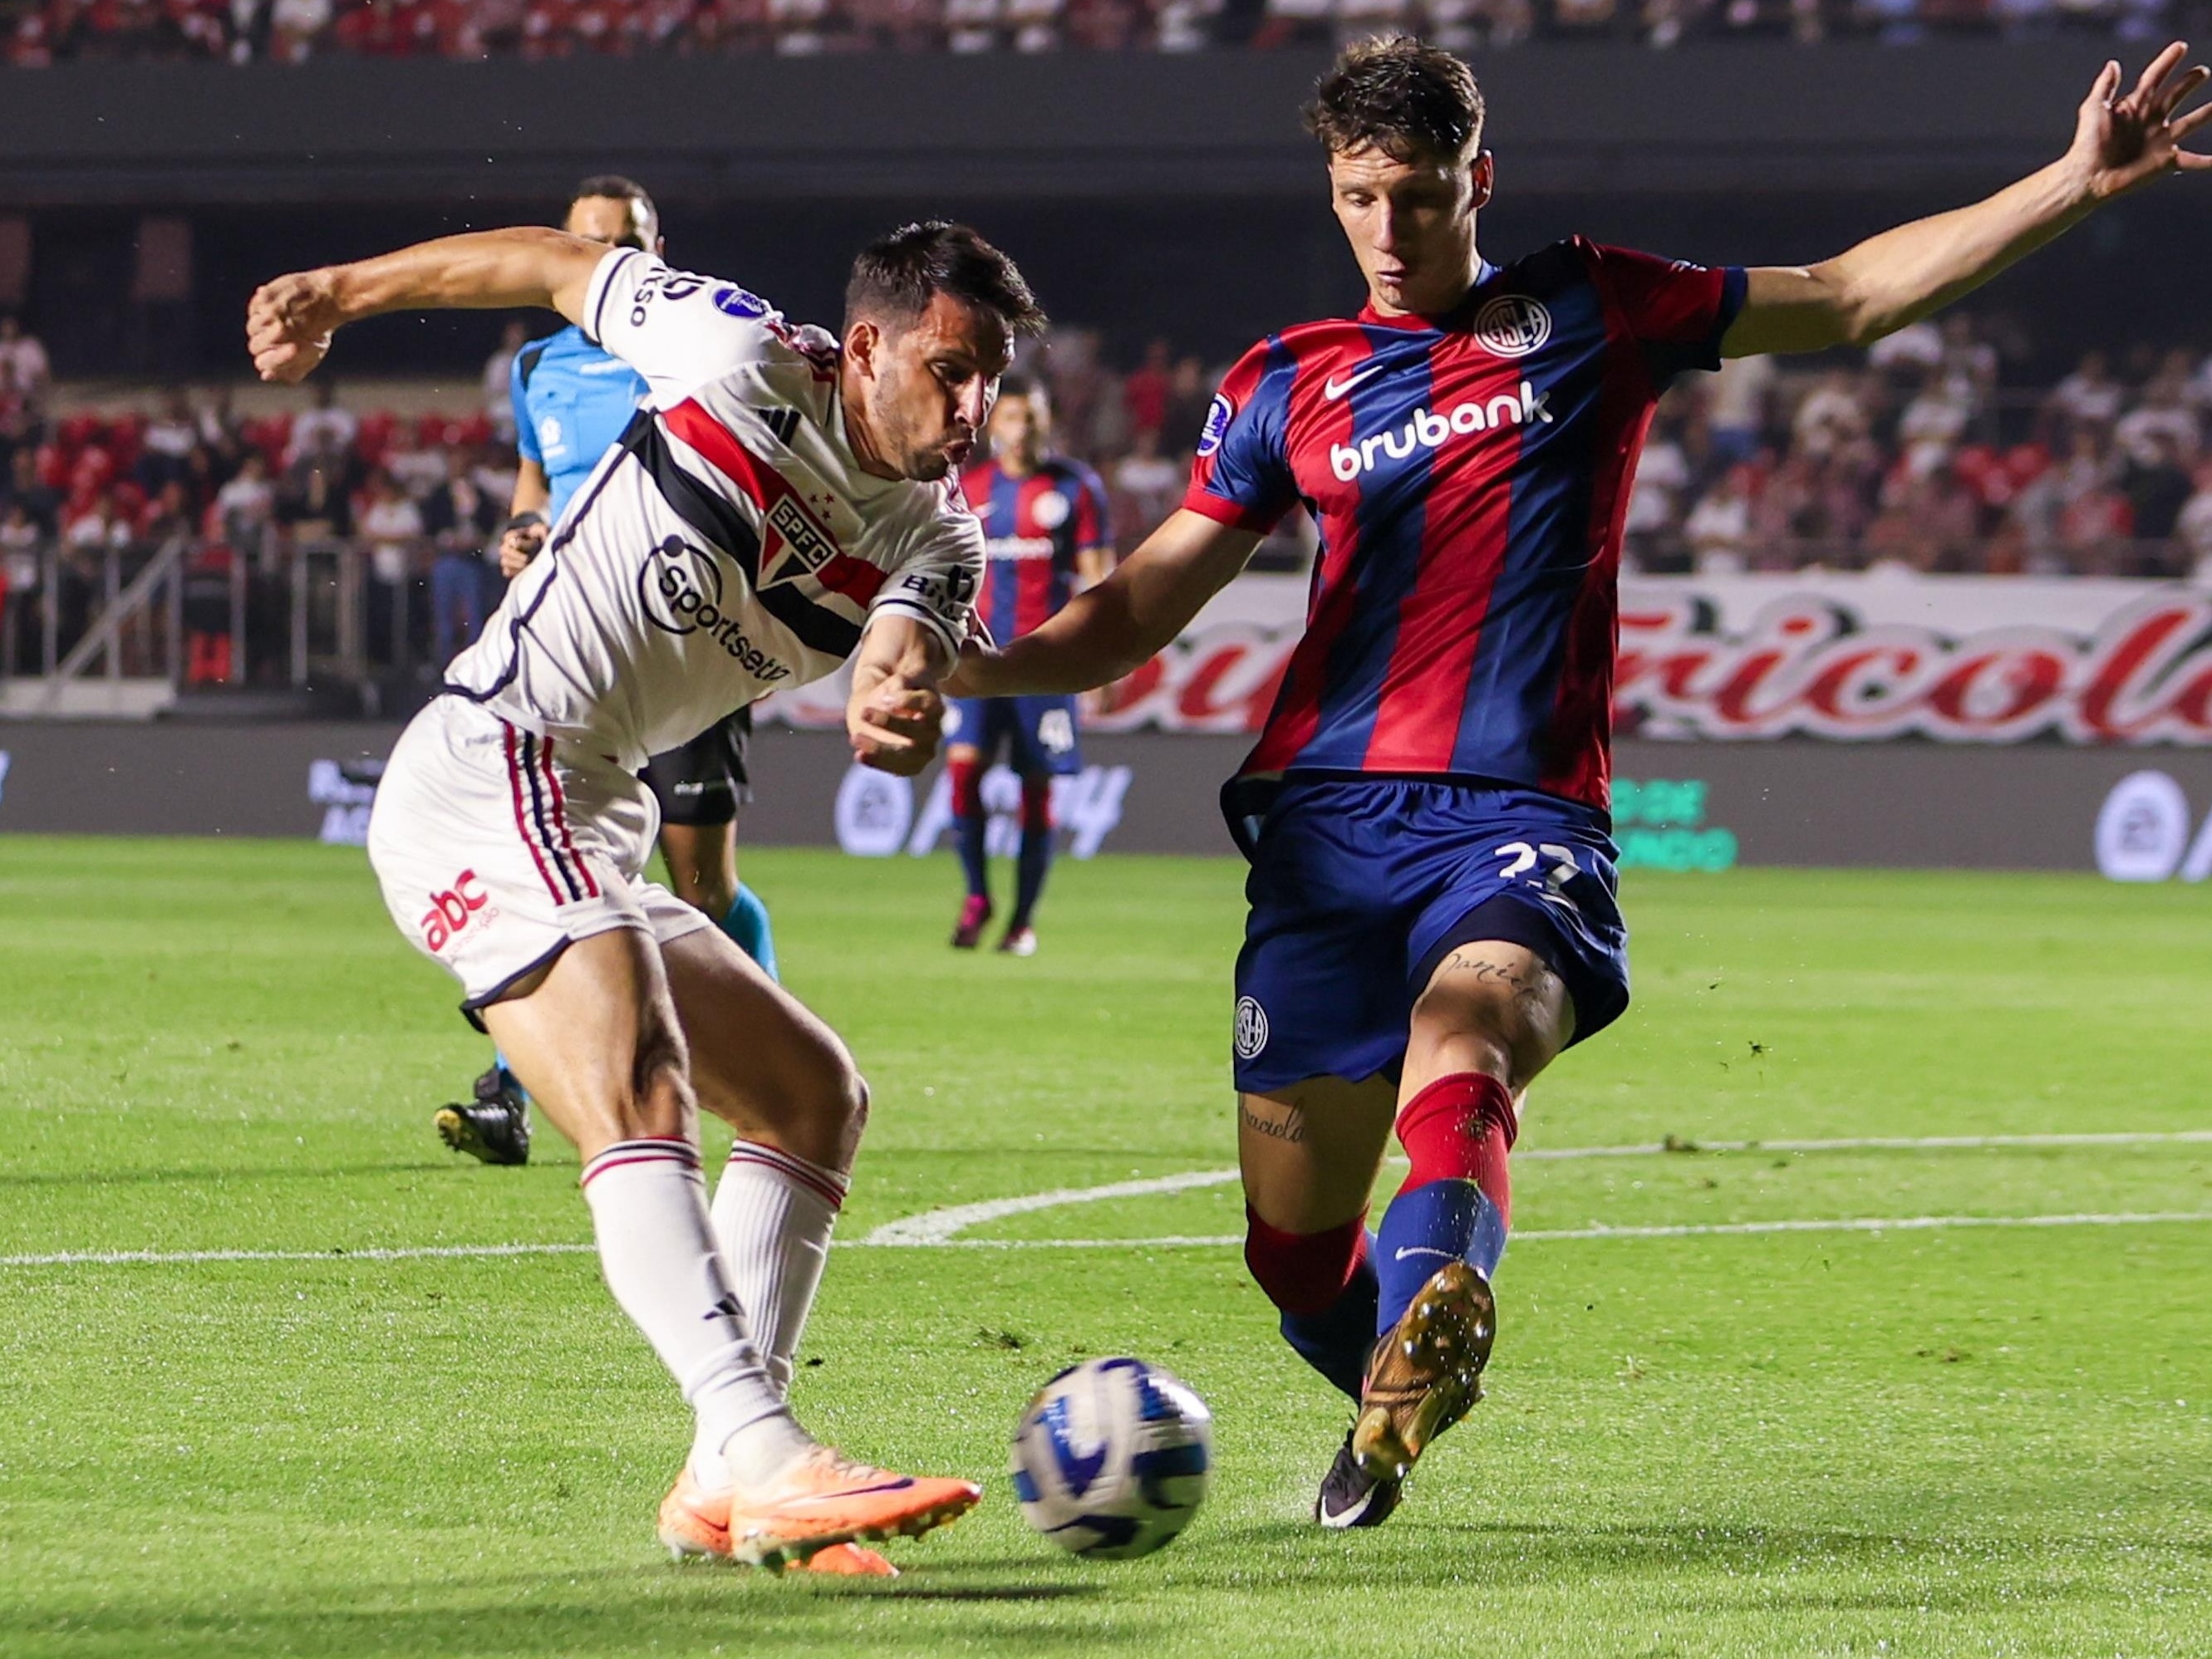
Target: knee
839,1110
856,1109
707,882
1477,1029
1303,1273
1505,1029
848,1101
657,1099
712,893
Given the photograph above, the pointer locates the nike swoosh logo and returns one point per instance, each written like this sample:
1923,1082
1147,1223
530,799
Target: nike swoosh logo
1423,1249
839,1497
1337,388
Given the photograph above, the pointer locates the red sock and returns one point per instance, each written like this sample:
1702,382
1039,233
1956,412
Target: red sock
1462,1128
1037,805
1303,1273
967,780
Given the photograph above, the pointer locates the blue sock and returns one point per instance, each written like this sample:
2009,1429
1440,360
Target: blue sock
968,836
1336,1341
1424,1227
747,924
1030,870
506,1074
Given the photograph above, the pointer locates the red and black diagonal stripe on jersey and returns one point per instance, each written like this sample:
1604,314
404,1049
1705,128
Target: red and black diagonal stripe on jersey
723,527
718,520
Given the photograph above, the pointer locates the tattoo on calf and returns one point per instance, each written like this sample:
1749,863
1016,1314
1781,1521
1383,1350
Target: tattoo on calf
1291,1128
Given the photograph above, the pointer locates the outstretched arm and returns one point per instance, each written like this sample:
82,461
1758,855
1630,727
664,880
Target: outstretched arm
1902,274
289,321
1112,629
895,713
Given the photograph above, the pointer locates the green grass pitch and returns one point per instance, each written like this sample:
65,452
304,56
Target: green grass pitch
1947,1440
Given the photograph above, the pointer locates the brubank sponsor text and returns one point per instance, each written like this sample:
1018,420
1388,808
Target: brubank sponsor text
1430,430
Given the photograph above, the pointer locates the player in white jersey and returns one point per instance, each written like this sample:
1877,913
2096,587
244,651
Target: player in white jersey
786,502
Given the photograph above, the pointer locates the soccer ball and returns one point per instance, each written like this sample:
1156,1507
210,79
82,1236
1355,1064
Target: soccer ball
1112,1458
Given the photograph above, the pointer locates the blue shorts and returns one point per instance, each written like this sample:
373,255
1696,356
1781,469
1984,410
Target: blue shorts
1360,886
1039,732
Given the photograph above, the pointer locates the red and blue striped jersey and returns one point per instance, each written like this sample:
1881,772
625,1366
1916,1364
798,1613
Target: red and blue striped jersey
1469,474
1034,529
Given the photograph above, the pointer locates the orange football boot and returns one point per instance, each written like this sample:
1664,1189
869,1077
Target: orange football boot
852,1561
823,1498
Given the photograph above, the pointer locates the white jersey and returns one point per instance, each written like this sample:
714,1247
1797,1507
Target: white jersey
730,546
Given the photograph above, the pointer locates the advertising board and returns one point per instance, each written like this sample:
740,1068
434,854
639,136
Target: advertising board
1900,722
1854,657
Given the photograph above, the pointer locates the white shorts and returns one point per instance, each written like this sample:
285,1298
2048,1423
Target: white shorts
496,850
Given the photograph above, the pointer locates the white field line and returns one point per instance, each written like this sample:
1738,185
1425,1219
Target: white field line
1688,1230
942,1226
193,1258
1882,1144
1874,1225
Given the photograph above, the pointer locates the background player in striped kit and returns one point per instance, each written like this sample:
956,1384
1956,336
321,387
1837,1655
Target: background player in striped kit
1432,889
1046,535
572,401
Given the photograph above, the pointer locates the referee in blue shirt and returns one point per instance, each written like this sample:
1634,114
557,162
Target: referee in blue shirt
572,401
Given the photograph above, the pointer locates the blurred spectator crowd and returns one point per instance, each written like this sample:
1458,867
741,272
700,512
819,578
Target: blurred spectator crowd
1931,452
1924,454
86,500
38,32
1919,455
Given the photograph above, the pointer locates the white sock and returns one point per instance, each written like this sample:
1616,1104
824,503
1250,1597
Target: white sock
657,1248
772,1215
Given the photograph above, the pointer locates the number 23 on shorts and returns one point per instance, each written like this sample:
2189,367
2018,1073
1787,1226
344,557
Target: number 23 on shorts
1561,867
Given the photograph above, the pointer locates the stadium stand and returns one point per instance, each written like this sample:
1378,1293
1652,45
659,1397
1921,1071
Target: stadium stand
1924,455
39,32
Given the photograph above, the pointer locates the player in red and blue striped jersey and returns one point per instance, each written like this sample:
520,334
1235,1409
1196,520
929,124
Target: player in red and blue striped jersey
1045,535
1432,895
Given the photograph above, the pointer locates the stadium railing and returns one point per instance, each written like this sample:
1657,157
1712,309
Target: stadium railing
128,629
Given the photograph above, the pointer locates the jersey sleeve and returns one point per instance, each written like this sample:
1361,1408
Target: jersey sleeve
936,584
1676,311
1094,519
676,329
526,429
1241,474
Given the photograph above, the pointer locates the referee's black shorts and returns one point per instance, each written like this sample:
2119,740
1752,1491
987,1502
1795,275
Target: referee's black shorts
703,783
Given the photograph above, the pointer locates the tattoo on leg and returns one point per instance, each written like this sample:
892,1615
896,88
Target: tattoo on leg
1487,972
1290,1127
1530,985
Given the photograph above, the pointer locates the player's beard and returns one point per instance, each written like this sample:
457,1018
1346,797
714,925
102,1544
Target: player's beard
898,442
927,465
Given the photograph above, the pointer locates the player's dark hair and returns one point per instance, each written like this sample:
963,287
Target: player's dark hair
896,276
1400,96
615,188
1020,383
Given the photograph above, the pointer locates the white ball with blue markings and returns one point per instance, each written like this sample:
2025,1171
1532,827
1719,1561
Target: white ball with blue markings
1112,1458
